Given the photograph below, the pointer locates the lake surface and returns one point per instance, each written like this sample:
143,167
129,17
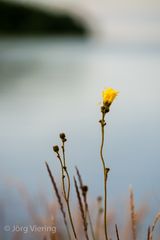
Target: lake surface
52,85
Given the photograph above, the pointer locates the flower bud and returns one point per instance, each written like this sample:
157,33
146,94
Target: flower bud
63,137
105,109
85,188
108,96
56,148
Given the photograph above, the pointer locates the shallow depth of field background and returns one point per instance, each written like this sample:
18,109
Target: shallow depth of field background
51,84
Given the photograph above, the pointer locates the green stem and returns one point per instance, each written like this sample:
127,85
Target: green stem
63,151
71,220
68,205
105,173
63,176
67,195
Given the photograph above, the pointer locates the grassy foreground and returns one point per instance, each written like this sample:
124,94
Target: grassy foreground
100,225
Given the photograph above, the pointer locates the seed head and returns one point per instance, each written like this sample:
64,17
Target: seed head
63,137
56,148
85,189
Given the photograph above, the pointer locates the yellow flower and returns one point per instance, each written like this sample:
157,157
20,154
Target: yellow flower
109,95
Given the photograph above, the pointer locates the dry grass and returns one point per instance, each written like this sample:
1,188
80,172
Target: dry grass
79,223
53,209
129,232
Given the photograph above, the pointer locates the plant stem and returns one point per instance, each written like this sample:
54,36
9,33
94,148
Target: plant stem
68,205
66,193
117,232
81,209
105,173
71,220
84,190
59,199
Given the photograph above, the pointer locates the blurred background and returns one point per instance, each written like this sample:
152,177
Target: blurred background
56,57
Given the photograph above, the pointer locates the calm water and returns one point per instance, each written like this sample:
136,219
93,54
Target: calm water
53,85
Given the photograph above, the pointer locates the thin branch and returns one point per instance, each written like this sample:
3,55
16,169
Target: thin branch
105,173
59,198
81,209
148,233
117,232
84,190
133,215
156,220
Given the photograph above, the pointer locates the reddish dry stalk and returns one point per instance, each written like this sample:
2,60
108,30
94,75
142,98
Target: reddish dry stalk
81,209
84,195
52,236
148,233
156,219
133,215
59,198
117,232
79,177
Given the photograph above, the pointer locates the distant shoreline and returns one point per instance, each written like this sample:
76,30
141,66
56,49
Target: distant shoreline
18,19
